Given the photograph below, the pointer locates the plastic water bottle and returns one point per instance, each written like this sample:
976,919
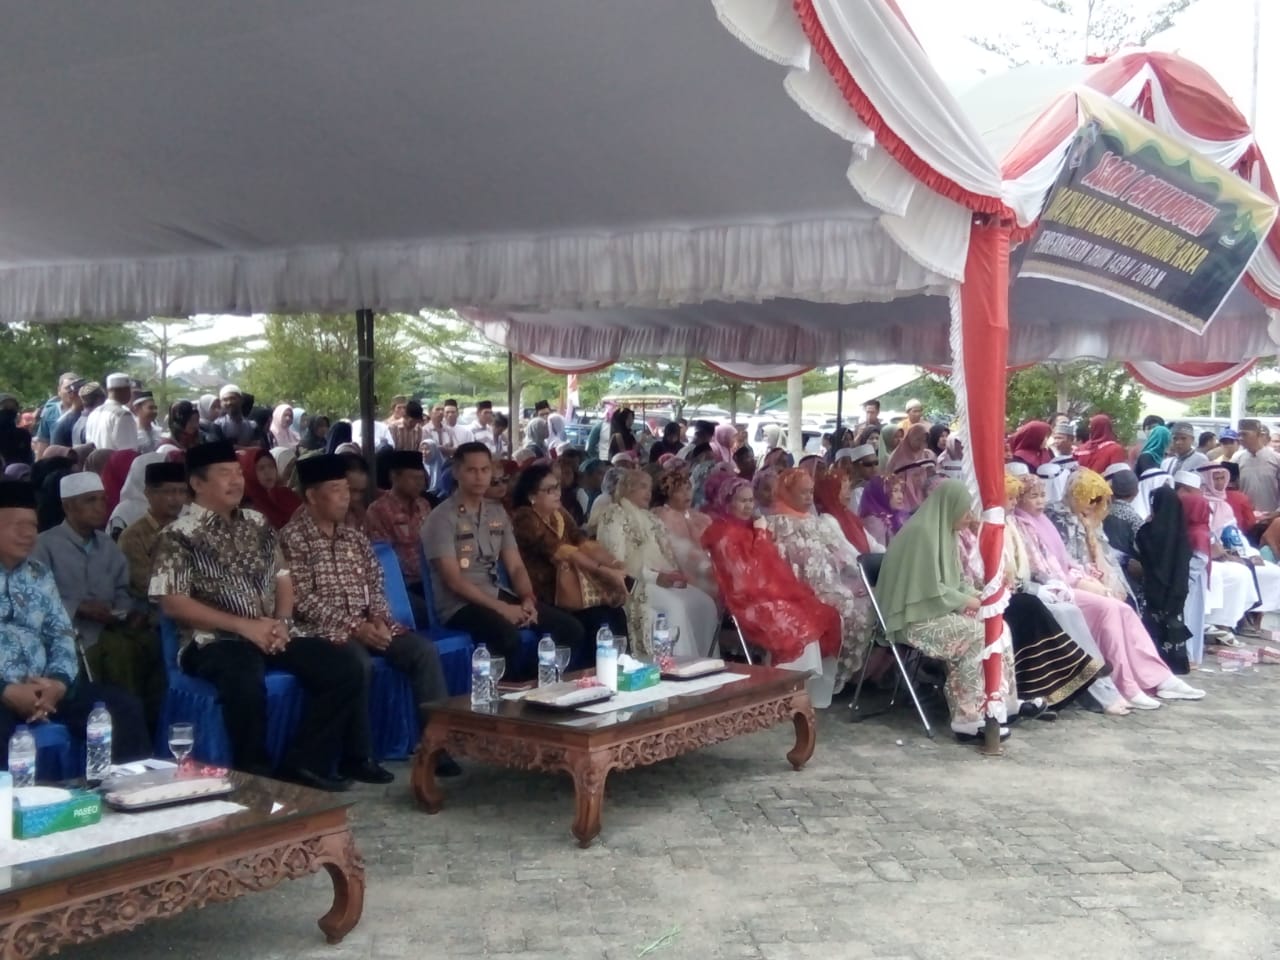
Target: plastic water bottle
481,677
606,658
546,660
97,737
22,757
661,636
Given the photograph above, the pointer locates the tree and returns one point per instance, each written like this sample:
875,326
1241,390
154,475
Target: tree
1034,394
311,360
162,343
33,356
1068,31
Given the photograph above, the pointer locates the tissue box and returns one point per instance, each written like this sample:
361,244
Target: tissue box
80,809
641,678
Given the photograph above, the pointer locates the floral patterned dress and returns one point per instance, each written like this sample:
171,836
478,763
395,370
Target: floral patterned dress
821,557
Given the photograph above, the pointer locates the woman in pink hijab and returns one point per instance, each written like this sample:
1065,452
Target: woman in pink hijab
282,432
722,442
908,462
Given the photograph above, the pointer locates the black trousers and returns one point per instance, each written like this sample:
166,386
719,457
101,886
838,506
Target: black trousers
129,737
490,628
592,619
332,680
418,604
413,655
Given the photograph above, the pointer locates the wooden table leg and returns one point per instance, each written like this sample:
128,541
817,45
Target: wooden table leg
346,869
425,788
589,774
806,730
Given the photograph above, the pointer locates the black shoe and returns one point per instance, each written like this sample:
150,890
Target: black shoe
1037,709
446,766
366,771
316,781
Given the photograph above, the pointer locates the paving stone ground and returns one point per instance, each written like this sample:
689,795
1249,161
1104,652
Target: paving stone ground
1152,836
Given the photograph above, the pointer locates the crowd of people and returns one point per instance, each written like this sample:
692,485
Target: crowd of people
254,534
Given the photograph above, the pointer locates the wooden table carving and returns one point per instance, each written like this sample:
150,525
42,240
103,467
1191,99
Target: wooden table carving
526,738
160,876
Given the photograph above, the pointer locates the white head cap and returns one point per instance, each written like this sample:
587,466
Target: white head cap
117,380
914,404
78,484
1048,470
230,390
1114,469
1017,468
1185,478
860,452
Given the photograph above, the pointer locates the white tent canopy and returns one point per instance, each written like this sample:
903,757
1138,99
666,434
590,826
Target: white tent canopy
391,154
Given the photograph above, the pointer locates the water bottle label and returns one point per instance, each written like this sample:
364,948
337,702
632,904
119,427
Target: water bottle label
98,738
481,669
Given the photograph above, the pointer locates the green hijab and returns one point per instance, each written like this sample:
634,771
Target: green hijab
887,433
1158,441
921,578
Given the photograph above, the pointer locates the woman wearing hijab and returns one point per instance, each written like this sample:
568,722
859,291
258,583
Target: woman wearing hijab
775,459
1154,450
910,464
722,442
701,474
56,450
315,436
1137,669
827,562
92,459
605,501
339,434
669,444
685,527
1229,588
286,459
263,491
927,604
114,473
890,437
764,486
939,433
774,609
831,496
1171,614
1102,449
1228,536
1027,444
622,437
210,408
1048,662
132,505
281,432
536,437
184,425
633,535
882,509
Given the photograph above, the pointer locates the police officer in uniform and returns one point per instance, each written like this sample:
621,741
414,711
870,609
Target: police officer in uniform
466,539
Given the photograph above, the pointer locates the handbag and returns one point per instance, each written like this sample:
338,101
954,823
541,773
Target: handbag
576,590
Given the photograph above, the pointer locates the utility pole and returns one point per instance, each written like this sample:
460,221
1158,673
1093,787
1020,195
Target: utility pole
1240,389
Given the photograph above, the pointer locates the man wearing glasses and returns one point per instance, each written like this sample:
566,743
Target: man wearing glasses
861,463
40,678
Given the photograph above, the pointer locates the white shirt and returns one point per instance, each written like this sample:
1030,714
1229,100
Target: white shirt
462,434
150,438
381,434
112,427
482,434
1260,478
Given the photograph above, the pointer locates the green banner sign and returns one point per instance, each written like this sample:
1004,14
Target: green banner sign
1139,217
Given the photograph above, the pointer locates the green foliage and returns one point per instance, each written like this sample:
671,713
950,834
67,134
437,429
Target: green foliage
1264,401
161,344
1087,386
311,360
33,356
931,390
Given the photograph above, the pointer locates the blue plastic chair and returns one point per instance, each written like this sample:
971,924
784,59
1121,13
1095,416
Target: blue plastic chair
455,646
192,700
59,756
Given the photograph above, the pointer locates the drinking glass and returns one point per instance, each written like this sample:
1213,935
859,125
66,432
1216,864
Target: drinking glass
562,661
182,737
497,667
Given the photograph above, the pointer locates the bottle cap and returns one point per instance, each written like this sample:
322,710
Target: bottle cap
100,705
20,728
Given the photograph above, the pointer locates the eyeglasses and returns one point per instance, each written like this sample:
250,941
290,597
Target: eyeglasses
554,488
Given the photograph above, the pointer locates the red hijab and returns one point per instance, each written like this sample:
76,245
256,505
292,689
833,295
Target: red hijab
1102,449
1027,443
826,494
278,504
114,474
1195,509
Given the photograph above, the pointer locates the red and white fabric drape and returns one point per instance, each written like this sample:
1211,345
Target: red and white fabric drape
1184,380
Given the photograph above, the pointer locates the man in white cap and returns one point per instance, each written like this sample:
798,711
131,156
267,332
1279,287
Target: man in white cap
112,426
234,425
40,677
93,580
1183,455
861,463
915,412
144,408
1062,442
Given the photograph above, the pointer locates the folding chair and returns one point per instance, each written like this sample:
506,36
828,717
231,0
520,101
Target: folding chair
869,568
742,639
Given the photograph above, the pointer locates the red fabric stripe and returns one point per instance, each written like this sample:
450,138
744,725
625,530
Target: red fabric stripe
565,370
868,114
985,330
1203,370
729,373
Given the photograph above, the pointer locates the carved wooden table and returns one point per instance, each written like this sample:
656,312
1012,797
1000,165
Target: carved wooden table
48,904
589,746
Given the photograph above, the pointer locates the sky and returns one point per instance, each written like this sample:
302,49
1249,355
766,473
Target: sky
1217,34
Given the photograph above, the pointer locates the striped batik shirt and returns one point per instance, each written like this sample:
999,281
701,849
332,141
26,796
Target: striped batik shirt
228,563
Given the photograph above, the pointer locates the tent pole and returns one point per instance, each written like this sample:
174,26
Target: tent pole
513,415
364,351
840,400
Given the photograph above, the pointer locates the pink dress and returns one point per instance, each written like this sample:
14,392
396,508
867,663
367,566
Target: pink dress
1126,646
